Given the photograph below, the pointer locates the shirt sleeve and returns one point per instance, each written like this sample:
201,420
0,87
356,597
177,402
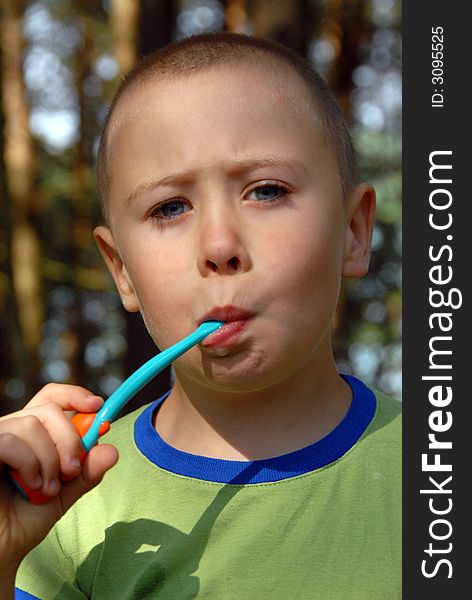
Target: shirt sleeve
46,573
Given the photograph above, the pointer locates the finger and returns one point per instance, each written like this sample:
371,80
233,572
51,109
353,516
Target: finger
99,460
64,436
16,454
32,432
68,397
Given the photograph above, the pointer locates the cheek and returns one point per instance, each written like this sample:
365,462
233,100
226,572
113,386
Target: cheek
306,261
160,284
157,269
302,286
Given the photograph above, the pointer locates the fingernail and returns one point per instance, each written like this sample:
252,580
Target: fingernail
75,463
53,486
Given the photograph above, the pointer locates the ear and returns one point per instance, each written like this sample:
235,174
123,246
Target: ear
109,250
360,215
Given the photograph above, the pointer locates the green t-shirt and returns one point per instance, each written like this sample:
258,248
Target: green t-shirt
323,522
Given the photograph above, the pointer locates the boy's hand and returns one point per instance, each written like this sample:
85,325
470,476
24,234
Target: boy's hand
41,443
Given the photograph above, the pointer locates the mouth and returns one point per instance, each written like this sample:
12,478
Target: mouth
235,318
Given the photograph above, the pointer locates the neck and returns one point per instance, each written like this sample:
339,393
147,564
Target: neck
278,419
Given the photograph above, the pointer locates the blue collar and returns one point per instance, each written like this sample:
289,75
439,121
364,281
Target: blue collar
307,459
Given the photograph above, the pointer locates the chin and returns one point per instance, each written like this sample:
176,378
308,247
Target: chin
245,371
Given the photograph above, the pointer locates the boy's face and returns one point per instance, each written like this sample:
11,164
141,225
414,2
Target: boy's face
222,193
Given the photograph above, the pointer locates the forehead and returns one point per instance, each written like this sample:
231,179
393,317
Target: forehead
270,82
210,119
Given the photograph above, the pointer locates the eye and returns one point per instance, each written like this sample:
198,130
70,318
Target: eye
267,192
170,209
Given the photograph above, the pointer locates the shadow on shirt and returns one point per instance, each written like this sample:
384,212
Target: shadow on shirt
147,558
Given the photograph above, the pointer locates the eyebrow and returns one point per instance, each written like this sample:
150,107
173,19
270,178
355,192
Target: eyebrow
237,168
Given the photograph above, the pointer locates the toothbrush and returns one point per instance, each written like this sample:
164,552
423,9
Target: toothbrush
93,425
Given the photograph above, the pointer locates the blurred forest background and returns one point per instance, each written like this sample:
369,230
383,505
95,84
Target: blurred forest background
61,60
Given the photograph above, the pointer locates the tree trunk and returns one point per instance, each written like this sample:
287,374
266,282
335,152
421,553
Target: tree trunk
347,28
290,22
156,25
124,16
19,164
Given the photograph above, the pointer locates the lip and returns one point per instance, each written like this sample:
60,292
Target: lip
235,318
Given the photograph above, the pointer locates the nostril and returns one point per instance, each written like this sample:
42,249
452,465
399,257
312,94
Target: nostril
233,263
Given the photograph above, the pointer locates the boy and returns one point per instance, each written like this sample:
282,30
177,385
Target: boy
227,179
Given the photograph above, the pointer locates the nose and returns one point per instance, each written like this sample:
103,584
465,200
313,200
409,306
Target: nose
222,247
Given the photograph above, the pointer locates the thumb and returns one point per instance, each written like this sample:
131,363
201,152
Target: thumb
99,460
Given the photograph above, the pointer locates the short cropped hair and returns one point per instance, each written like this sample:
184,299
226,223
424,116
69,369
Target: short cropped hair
196,53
